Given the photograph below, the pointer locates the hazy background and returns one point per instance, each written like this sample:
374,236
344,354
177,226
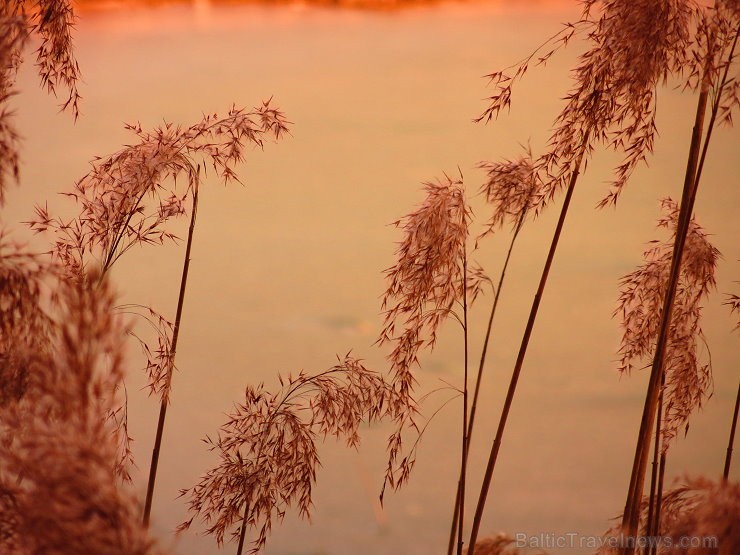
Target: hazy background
287,271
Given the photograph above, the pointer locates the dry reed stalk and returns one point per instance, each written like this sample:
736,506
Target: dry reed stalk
636,46
267,448
52,22
425,283
59,492
652,520
713,54
493,456
171,352
510,188
731,441
687,380
464,438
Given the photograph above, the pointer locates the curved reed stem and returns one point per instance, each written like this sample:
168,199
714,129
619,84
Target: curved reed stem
523,350
175,335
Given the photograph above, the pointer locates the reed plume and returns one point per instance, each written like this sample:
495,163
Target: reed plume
733,301
128,198
688,380
58,454
267,449
635,46
426,281
51,22
699,516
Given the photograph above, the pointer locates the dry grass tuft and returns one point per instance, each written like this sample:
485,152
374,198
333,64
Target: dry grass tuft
23,322
59,452
267,448
424,284
711,510
688,380
698,509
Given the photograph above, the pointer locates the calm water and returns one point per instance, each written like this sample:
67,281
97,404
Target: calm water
287,270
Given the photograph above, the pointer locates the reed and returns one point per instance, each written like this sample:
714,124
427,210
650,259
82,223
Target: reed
425,283
127,200
51,22
635,46
717,34
510,187
267,449
686,380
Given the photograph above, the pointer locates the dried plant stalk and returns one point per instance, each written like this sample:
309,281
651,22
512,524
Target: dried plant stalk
510,188
718,33
731,441
493,456
267,448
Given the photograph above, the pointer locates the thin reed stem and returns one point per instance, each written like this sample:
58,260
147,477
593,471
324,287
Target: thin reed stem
173,350
695,165
658,502
523,350
731,442
654,473
481,365
631,514
243,531
465,442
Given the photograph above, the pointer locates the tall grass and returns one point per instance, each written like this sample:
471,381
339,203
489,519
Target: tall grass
633,47
267,448
59,487
63,434
129,197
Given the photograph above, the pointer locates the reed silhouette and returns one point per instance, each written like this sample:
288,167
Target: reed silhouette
127,200
62,334
267,449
